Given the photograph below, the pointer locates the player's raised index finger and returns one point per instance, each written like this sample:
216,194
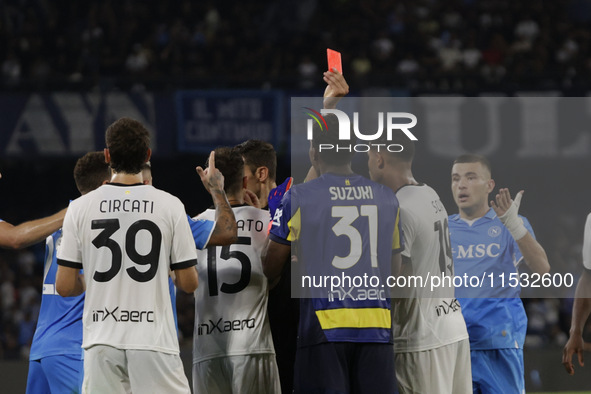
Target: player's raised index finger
211,163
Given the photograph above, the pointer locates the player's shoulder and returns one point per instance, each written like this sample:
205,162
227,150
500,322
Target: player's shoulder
208,214
252,212
454,218
420,190
83,199
164,195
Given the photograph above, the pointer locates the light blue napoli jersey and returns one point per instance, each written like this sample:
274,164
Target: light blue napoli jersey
59,327
494,316
202,230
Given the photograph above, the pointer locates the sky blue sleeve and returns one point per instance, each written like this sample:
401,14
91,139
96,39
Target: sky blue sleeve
517,256
202,230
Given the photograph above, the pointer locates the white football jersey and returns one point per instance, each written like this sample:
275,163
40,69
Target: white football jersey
231,301
587,243
127,238
422,323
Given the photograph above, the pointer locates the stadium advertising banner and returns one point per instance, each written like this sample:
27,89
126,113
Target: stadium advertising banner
207,119
61,124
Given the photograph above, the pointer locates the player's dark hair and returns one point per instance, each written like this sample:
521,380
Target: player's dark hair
91,171
128,142
230,163
407,153
330,136
474,158
257,154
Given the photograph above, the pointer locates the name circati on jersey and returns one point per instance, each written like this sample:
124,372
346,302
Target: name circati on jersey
351,193
127,205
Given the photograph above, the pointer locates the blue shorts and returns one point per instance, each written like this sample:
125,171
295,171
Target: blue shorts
345,368
55,374
498,371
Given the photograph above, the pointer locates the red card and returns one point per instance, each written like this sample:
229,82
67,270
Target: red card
334,60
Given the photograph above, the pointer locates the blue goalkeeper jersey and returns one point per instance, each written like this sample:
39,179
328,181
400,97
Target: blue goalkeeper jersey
59,327
341,225
494,315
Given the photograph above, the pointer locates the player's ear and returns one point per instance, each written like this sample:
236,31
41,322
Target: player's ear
107,155
148,155
262,174
491,185
381,160
313,155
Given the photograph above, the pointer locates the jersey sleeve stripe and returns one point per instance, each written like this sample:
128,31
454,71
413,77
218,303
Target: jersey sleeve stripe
183,264
354,318
396,244
294,224
71,264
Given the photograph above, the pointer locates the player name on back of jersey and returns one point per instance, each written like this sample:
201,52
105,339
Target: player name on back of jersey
126,205
351,193
249,225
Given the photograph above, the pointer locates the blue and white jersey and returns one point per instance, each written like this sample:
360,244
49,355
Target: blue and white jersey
59,327
341,225
202,230
494,316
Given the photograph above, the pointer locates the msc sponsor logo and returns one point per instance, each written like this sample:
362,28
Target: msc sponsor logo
122,316
222,326
478,251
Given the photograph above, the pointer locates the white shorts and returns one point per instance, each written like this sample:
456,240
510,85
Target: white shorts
445,369
110,370
250,374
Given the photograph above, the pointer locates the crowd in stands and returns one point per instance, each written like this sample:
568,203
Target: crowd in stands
417,44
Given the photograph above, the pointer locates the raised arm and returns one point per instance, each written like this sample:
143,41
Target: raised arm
533,253
225,231
31,232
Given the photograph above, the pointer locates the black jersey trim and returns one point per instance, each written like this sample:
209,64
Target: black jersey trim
183,264
124,185
71,264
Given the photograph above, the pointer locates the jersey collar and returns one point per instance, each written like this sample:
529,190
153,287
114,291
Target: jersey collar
490,215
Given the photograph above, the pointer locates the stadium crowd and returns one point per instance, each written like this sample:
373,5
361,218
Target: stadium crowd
422,45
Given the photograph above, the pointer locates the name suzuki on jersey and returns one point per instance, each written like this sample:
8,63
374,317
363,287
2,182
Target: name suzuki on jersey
351,193
222,326
123,315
